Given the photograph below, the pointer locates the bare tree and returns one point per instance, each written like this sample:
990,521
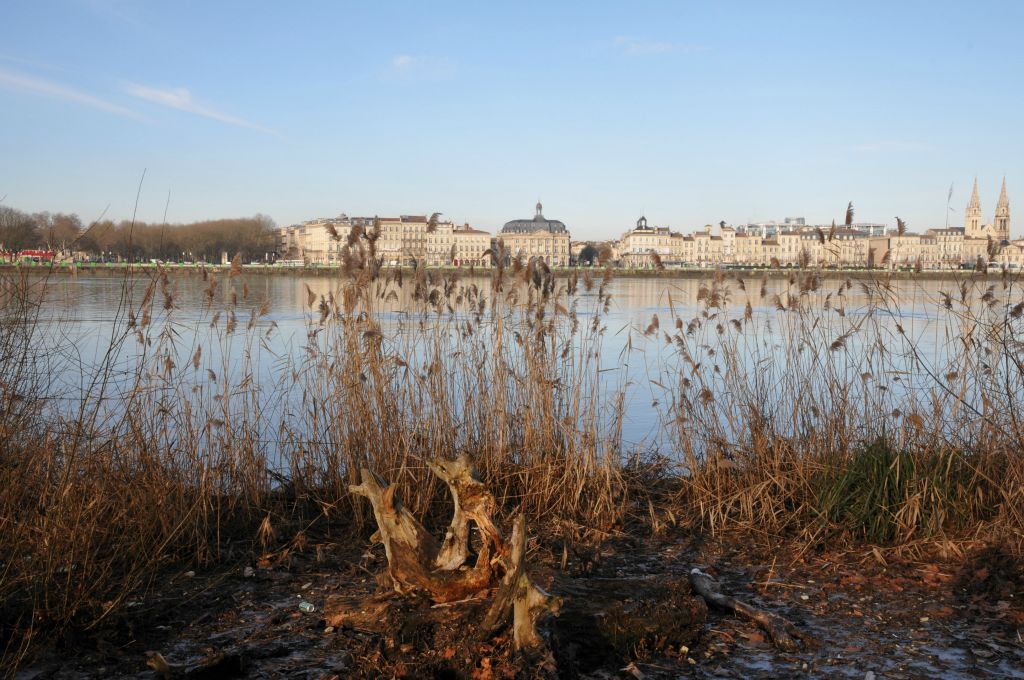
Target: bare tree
17,230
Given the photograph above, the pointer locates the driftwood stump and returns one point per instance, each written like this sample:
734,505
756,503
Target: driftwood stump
606,621
412,551
418,563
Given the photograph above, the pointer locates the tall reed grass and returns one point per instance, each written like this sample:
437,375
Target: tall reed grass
198,455
872,420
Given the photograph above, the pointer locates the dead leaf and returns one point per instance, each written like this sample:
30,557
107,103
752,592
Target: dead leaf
158,663
755,638
484,672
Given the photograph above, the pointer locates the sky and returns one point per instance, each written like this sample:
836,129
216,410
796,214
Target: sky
687,112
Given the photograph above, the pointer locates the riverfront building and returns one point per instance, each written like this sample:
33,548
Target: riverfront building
404,241
537,237
794,243
413,239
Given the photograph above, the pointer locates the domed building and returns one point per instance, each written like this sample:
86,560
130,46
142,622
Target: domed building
537,237
538,223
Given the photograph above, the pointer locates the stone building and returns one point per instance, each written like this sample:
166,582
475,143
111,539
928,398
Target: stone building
999,229
638,246
469,246
314,242
537,237
404,241
984,241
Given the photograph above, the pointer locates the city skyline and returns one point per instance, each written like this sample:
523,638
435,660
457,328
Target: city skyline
686,114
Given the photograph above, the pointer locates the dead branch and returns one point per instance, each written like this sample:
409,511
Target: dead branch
360,613
783,634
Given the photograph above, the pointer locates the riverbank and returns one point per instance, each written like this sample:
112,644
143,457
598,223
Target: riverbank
120,269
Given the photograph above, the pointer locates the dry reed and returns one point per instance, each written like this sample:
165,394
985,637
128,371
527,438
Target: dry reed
803,416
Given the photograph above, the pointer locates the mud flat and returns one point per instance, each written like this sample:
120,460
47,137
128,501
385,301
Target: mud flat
870,611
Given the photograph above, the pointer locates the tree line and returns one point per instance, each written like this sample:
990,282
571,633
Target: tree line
204,241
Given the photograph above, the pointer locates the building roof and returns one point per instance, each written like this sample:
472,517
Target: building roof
538,223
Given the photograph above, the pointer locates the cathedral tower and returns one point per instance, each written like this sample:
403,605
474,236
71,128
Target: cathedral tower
1002,223
972,217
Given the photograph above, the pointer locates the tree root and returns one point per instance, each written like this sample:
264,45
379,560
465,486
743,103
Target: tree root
411,550
417,562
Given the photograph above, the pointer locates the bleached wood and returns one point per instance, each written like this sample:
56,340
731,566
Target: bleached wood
473,502
519,595
411,550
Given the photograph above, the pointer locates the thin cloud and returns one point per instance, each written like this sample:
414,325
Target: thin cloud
633,46
181,99
34,64
25,83
422,68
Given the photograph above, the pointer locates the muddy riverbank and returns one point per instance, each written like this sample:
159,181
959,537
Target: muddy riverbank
872,613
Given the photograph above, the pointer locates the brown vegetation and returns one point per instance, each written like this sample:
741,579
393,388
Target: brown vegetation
206,240
817,433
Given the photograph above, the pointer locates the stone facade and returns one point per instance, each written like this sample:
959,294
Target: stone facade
800,245
404,241
537,237
999,229
413,239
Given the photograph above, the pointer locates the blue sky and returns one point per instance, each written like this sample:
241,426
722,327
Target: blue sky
692,112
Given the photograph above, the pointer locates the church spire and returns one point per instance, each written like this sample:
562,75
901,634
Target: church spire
972,216
1002,222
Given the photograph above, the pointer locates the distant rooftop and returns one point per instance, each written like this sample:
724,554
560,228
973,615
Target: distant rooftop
538,223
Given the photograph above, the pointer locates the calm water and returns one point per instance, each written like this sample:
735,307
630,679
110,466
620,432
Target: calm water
82,314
